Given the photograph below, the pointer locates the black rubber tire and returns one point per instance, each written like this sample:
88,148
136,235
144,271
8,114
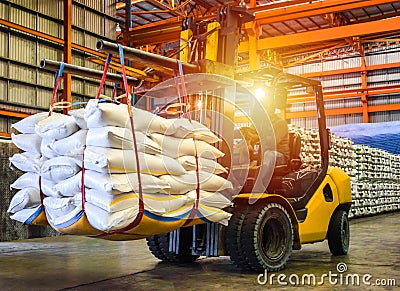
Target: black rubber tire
339,233
159,247
267,237
232,242
154,246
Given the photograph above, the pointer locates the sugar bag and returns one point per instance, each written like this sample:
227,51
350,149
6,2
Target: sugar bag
59,168
27,125
188,182
25,198
56,126
72,145
29,142
120,161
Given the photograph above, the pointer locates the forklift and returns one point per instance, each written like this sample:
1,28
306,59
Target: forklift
299,207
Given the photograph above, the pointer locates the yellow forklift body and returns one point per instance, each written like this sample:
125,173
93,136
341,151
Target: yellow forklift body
322,205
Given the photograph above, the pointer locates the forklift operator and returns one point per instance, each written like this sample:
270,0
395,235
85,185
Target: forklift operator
275,141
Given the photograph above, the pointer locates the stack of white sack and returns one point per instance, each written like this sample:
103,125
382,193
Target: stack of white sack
43,139
166,174
56,148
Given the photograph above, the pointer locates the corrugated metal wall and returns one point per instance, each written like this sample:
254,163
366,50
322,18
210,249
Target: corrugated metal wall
21,81
377,78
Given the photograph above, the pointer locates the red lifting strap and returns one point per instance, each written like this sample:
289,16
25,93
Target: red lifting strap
103,78
140,214
56,85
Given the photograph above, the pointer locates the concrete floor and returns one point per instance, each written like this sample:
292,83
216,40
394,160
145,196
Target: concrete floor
78,263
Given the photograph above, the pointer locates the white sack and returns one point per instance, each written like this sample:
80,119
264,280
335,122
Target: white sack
26,180
121,138
111,183
163,203
48,188
105,221
175,147
56,126
121,161
99,114
46,148
57,207
27,125
31,180
202,132
53,218
120,183
72,145
211,199
27,162
70,186
79,117
24,214
178,127
183,128
59,168
106,201
214,214
28,142
188,182
25,198
207,165
155,203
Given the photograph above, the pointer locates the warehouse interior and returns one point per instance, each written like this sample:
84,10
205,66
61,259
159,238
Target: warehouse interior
206,60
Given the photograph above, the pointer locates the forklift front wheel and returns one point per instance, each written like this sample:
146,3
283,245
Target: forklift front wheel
159,246
339,233
267,237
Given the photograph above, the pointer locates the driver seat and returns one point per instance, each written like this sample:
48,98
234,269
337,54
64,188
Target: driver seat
293,164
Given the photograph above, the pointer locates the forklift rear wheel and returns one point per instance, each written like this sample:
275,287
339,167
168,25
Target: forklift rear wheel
339,233
233,244
267,237
159,246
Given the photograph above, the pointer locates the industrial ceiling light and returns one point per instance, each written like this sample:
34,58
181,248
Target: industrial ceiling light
259,93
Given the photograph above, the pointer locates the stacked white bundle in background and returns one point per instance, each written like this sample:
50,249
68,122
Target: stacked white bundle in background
101,135
374,173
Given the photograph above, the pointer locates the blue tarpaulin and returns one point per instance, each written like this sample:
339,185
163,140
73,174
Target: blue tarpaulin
383,135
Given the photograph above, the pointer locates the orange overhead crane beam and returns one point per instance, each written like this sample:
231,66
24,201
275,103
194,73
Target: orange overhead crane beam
350,93
341,111
310,8
4,112
327,34
5,134
331,112
352,70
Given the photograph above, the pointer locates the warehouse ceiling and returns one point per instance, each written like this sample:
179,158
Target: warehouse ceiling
287,31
